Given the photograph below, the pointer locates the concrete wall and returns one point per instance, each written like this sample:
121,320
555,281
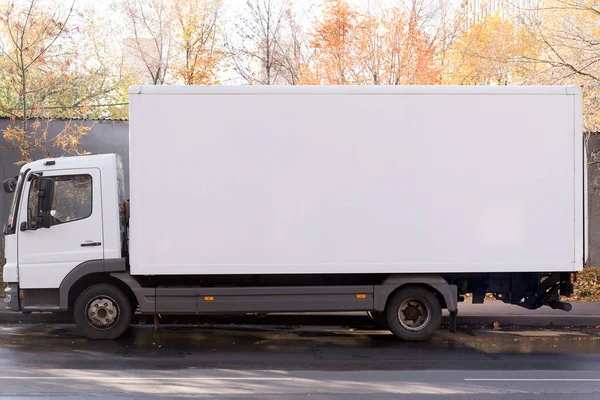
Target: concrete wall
112,137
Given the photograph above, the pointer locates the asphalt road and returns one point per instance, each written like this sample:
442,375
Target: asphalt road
316,362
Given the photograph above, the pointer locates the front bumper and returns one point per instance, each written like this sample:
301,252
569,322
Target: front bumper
11,297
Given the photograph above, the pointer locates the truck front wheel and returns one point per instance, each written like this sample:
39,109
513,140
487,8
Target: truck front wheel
102,311
414,313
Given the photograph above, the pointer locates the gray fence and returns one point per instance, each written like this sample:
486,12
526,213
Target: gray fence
112,137
593,150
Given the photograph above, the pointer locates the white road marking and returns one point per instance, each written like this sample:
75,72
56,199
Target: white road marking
532,380
133,378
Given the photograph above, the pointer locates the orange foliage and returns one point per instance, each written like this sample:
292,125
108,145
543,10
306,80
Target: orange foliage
196,41
334,42
410,55
353,47
492,51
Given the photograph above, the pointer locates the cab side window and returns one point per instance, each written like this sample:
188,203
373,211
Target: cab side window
32,204
72,199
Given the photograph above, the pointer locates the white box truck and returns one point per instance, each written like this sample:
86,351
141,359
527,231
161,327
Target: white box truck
396,201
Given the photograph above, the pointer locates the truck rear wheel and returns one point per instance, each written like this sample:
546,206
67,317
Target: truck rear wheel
102,311
414,313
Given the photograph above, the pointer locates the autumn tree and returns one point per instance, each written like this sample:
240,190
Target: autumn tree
449,25
294,50
39,61
410,51
370,47
100,76
569,33
195,38
150,23
334,42
266,46
493,50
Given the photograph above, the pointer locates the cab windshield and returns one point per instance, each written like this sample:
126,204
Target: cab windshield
12,214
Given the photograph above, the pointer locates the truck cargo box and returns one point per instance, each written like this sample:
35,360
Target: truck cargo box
303,180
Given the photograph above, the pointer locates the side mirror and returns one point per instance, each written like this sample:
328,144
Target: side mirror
45,199
10,185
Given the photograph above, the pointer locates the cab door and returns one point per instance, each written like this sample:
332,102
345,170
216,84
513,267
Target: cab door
47,255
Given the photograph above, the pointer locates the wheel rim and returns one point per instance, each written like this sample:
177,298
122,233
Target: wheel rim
102,313
414,314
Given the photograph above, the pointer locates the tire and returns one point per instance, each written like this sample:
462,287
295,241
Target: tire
102,311
379,318
420,316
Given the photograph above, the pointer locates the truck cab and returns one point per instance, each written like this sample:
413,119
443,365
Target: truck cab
66,213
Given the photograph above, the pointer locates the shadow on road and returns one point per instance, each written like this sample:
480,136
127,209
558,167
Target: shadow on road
301,348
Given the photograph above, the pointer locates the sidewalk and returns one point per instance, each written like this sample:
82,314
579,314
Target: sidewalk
582,315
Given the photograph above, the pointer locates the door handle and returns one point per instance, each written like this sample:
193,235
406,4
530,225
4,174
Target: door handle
90,244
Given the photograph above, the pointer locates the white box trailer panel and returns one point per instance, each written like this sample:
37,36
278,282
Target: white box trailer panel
303,180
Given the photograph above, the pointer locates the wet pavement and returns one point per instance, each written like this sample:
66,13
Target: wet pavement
268,361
